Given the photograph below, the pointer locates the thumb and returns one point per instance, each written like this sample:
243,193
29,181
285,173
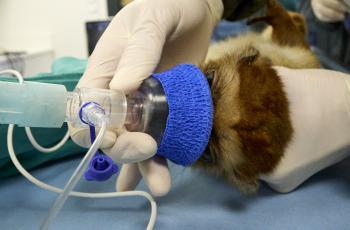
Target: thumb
140,57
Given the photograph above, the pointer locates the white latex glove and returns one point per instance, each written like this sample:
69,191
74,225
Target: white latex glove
347,3
320,114
330,10
144,37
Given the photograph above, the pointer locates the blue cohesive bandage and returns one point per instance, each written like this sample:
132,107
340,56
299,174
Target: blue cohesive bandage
190,118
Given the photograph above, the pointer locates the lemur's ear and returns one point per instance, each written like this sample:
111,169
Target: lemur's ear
249,55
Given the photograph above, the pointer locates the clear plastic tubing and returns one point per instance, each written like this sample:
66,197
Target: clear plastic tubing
61,199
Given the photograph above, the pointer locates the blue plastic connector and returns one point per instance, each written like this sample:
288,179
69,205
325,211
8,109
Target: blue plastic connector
101,167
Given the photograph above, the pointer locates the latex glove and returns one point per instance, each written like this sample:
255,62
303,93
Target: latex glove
347,2
144,37
330,10
320,114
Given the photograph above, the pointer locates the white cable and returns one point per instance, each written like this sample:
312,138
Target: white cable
51,188
29,133
13,73
38,147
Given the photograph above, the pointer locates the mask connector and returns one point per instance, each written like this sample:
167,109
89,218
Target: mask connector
101,167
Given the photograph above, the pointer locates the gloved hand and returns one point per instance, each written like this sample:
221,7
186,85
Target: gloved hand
320,114
144,37
330,10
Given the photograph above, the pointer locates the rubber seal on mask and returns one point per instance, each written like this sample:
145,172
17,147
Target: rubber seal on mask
190,118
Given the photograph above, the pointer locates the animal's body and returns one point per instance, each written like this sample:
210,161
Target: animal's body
252,124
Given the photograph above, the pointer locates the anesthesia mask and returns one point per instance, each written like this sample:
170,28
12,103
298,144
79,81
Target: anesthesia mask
174,107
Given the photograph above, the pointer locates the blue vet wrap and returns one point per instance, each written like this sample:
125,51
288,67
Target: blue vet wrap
190,118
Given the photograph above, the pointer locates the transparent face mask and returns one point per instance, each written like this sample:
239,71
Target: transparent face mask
144,110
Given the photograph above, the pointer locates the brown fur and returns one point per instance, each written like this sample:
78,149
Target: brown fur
289,28
252,125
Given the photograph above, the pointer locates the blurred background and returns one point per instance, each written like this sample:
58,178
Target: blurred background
34,33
